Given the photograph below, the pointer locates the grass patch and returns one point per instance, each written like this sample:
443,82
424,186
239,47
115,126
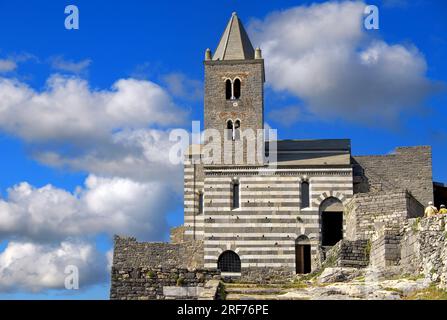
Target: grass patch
430,293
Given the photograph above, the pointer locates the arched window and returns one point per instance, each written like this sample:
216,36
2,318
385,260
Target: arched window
230,129
201,203
235,195
228,89
236,88
237,130
305,195
229,261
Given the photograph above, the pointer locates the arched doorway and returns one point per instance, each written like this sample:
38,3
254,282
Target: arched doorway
229,261
331,213
302,255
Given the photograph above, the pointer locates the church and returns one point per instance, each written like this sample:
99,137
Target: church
254,219
286,219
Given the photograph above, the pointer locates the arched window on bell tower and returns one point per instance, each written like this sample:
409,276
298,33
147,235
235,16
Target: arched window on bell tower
228,89
230,131
236,88
237,130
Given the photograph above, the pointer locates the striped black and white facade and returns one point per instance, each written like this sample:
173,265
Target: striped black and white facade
265,229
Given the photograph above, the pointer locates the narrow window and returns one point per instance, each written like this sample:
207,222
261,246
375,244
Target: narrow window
235,195
237,89
201,203
305,196
237,130
228,89
230,130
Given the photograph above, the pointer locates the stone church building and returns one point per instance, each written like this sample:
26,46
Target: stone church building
241,222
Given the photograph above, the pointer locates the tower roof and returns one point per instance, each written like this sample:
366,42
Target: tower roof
234,43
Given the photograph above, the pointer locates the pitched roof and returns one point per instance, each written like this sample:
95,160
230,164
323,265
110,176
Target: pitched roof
234,43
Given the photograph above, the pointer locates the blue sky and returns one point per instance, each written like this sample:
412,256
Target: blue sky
159,47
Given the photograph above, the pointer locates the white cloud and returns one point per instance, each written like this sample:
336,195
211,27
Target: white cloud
104,132
69,110
7,65
103,205
59,63
181,86
141,155
322,54
26,266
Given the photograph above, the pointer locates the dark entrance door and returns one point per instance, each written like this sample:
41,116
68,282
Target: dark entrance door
302,258
332,228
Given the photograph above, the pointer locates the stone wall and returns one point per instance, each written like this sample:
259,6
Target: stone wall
348,254
423,248
150,283
407,168
388,207
385,246
142,270
266,275
130,253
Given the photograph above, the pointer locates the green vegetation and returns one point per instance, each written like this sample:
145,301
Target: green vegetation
415,225
430,293
180,281
368,248
150,274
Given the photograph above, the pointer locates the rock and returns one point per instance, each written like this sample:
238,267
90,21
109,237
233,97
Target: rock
339,274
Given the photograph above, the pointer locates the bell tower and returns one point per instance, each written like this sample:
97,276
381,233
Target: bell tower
234,85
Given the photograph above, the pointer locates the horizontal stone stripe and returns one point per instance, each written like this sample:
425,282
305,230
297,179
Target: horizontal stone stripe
189,219
240,242
253,249
242,231
266,228
235,224
218,209
270,235
270,170
252,193
248,265
293,180
251,257
252,204
198,232
259,200
284,217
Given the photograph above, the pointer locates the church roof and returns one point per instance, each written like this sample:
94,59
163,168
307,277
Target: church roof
313,152
234,43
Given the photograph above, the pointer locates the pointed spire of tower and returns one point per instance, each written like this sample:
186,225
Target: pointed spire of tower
234,43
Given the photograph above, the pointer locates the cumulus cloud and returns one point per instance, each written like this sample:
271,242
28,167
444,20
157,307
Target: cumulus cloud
322,54
69,110
103,205
26,266
62,64
7,65
118,132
